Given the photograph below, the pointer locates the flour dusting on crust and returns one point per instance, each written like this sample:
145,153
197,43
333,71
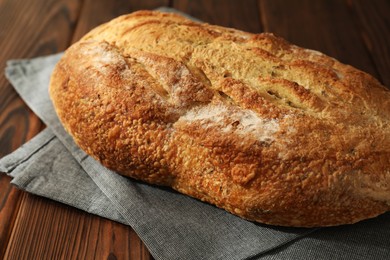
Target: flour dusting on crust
104,56
230,119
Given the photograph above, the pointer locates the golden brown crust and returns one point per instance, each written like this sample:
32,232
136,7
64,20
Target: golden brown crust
264,129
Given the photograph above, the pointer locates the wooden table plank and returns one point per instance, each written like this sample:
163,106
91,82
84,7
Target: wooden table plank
63,232
95,13
27,29
374,24
35,28
9,206
23,35
232,13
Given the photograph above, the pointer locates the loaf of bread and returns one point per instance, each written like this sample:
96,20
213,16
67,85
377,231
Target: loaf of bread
266,130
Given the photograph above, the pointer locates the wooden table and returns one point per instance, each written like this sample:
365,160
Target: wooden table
356,32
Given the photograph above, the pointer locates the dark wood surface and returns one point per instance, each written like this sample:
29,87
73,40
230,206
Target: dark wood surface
356,32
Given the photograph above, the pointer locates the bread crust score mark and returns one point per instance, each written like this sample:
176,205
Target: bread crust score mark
250,123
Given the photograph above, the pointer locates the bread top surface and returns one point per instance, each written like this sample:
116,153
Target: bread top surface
262,128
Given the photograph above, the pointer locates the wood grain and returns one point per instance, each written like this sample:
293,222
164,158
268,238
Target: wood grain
14,122
9,206
374,26
95,13
49,230
25,34
34,28
231,13
27,29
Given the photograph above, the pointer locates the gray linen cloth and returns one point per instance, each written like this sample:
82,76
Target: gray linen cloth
172,226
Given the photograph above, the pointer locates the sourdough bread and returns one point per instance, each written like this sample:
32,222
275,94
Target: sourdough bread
264,129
